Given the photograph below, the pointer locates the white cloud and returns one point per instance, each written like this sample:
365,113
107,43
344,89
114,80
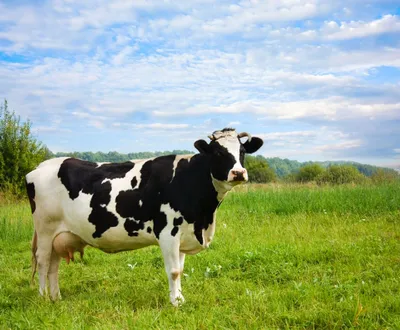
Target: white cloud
340,146
332,30
321,143
327,109
156,126
286,135
248,14
233,123
96,123
55,129
360,29
121,56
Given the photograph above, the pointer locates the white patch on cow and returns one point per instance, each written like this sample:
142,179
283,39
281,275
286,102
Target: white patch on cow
188,241
170,213
176,161
230,141
221,187
140,203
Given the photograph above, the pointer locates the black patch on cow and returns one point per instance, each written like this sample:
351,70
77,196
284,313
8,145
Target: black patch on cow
103,220
192,193
132,227
145,173
79,175
128,203
149,230
100,217
159,223
133,182
154,176
101,195
178,221
30,189
174,231
198,227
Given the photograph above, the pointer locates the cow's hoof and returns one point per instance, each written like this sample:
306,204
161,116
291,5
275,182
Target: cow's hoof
177,301
56,296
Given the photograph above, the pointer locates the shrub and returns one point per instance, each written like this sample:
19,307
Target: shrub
340,174
259,170
309,173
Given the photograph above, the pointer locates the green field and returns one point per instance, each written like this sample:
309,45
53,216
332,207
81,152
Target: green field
287,257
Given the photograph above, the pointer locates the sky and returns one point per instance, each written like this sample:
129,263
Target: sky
316,79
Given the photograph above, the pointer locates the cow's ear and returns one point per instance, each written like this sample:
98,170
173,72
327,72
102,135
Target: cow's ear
253,145
202,146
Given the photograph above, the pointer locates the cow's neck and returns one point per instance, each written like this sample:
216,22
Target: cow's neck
221,187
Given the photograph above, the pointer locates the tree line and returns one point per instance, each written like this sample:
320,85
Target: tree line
20,153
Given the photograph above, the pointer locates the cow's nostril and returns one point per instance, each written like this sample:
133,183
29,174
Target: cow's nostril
238,175
238,172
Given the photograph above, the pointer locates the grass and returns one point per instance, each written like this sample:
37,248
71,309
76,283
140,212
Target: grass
287,257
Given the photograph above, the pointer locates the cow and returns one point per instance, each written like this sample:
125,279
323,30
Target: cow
170,201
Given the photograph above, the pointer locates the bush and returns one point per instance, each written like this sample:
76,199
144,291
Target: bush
382,176
259,170
19,151
309,173
340,174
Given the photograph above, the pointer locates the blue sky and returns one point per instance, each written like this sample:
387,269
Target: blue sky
316,79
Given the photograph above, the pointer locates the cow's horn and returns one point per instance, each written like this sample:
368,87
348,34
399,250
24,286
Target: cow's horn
243,134
211,137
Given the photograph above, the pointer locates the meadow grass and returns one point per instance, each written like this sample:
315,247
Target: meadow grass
287,257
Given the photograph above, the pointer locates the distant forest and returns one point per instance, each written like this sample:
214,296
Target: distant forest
281,167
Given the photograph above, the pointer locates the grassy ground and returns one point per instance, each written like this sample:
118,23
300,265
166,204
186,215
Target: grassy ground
283,257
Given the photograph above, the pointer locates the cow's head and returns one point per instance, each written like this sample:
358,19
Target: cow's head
227,154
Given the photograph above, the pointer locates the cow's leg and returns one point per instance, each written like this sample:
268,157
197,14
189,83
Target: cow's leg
181,265
170,249
53,276
43,257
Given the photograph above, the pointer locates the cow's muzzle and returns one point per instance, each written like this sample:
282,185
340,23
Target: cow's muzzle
238,175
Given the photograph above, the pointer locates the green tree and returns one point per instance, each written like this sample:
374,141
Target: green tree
309,173
339,174
20,152
259,170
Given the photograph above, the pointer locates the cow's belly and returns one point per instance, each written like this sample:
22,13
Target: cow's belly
117,239
114,239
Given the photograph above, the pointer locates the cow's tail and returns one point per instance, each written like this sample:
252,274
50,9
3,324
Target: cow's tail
34,261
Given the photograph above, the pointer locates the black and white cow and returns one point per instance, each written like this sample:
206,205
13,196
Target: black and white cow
169,200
